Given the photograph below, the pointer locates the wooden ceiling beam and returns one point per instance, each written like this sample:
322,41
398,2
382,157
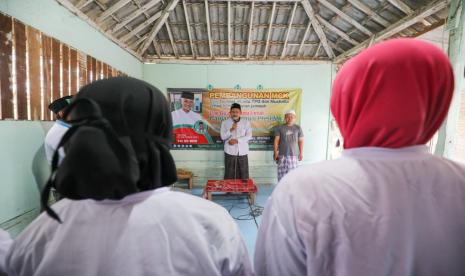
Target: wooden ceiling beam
157,48
317,50
207,15
67,4
141,26
105,14
170,35
337,31
317,27
186,17
345,17
288,31
401,25
307,30
157,26
125,21
401,6
367,10
229,31
273,9
81,4
249,41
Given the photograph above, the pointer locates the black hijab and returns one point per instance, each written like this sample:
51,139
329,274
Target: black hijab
118,143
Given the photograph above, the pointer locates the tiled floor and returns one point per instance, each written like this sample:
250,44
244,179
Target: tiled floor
240,210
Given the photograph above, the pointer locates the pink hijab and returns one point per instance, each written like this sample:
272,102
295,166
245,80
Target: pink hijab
394,94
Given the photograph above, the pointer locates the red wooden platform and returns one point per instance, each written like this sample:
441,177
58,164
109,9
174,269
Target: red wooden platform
231,186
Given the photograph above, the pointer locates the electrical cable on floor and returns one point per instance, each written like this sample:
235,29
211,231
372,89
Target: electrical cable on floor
255,210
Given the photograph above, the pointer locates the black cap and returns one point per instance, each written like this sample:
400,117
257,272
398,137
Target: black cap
60,104
236,105
187,95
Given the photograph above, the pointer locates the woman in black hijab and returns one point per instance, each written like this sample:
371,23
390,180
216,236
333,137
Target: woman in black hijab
115,216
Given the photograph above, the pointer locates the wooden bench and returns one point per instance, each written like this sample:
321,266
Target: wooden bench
246,186
186,175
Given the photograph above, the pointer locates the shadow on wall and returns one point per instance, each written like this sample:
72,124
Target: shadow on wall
40,168
24,170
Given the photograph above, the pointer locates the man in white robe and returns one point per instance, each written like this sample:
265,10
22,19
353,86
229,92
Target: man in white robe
59,128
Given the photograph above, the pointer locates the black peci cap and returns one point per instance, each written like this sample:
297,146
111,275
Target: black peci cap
236,105
60,104
187,95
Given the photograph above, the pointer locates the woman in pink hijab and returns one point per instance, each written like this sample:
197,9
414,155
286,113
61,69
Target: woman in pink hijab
387,206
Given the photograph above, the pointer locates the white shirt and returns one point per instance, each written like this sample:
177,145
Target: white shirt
373,211
5,244
157,232
53,138
180,117
243,133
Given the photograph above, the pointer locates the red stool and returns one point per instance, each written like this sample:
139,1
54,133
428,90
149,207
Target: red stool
231,186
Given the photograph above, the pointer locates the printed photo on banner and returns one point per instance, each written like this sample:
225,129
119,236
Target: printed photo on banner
189,127
198,113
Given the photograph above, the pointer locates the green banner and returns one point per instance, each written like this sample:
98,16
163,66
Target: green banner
197,114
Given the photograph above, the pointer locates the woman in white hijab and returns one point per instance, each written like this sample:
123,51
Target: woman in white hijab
5,244
387,206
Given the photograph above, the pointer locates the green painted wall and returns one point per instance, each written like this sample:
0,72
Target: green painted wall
21,159
22,162
56,21
315,81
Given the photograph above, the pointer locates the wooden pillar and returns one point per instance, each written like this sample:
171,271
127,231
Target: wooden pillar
447,137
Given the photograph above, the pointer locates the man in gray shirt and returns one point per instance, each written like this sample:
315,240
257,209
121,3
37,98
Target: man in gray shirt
288,144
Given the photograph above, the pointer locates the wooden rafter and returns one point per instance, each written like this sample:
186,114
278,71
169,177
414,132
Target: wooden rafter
229,30
141,26
407,10
269,1
186,16
124,32
308,44
273,9
170,35
401,25
134,15
288,31
335,46
401,6
307,30
67,4
317,27
346,17
317,50
139,41
117,20
249,41
157,26
118,5
367,10
226,60
81,4
335,30
207,15
157,48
